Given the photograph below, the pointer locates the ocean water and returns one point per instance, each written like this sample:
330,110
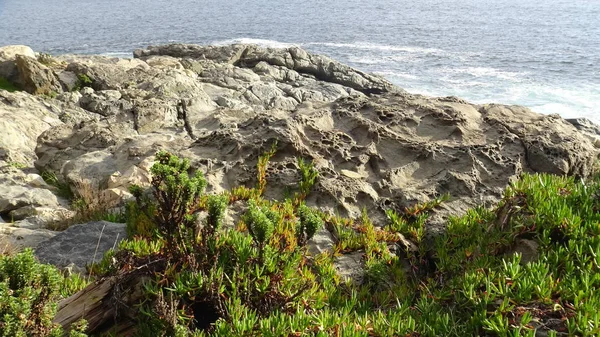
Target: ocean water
541,54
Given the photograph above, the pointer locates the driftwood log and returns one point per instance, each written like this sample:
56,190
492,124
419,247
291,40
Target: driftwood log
109,304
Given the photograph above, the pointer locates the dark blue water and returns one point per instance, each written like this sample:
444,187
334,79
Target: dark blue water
541,54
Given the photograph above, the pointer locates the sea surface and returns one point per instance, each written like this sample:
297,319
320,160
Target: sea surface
541,54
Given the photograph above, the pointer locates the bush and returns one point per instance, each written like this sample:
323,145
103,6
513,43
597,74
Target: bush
214,273
28,295
83,81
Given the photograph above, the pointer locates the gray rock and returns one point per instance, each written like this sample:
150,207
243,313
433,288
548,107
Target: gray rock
68,80
81,245
14,196
70,97
375,146
36,78
225,65
86,91
105,102
585,125
153,114
350,266
588,128
8,67
528,249
33,217
552,144
164,62
322,242
221,54
22,119
105,73
9,71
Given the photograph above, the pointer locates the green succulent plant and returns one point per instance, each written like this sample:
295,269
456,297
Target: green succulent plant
309,223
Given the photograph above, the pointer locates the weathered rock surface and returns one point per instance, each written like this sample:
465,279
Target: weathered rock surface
36,78
375,146
587,127
80,245
8,68
22,119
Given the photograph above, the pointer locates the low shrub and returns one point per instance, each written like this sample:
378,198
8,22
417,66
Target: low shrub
28,295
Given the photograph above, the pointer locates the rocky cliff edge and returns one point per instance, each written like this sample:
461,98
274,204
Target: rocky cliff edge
95,123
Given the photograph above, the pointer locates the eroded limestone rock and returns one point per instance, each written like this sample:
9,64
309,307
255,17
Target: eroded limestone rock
375,146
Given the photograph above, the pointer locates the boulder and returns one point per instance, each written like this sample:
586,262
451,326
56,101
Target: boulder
105,102
14,196
80,245
220,54
33,217
27,201
68,80
9,72
36,78
587,127
552,144
375,146
153,114
322,242
11,52
528,249
293,58
350,267
22,119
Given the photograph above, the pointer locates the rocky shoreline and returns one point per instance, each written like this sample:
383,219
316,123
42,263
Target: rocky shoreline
94,124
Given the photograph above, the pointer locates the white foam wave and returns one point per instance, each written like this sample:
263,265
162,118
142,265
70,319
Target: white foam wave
485,72
259,42
424,92
546,99
367,60
118,54
469,84
379,47
396,74
564,110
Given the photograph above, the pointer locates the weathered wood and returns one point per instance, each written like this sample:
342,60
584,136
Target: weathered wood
91,303
104,304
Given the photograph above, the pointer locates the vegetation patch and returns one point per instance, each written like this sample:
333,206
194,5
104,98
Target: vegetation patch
7,85
28,294
63,189
197,278
83,81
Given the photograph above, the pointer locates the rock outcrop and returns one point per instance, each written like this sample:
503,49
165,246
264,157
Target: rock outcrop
375,145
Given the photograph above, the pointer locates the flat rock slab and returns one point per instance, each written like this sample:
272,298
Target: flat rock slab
76,246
